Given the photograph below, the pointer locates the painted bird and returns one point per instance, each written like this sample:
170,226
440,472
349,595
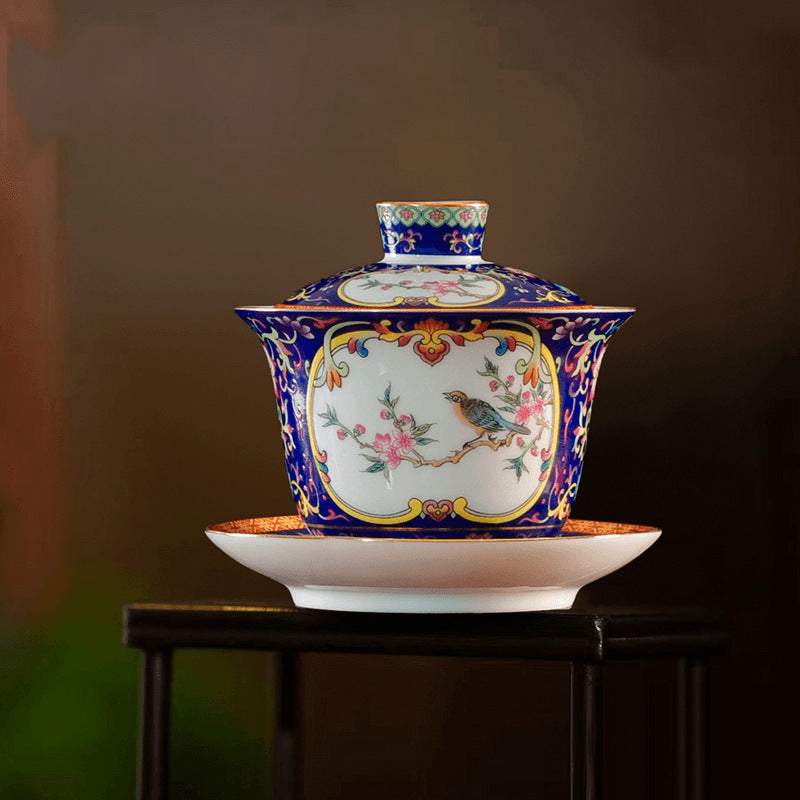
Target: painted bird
481,417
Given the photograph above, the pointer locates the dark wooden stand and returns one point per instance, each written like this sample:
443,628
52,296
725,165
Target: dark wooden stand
586,639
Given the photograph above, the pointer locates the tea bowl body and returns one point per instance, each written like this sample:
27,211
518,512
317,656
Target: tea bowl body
434,393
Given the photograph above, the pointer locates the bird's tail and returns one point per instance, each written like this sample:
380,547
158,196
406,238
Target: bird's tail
518,428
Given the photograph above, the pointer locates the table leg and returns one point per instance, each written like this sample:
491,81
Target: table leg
683,732
694,733
586,731
288,761
701,731
154,700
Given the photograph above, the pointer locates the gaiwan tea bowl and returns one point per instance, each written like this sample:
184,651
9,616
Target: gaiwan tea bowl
434,394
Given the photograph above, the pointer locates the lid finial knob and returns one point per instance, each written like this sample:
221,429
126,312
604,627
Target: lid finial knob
433,227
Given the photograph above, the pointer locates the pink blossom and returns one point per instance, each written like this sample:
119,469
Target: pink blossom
405,419
538,405
526,396
393,458
382,442
493,386
523,414
392,447
387,450
385,287
440,287
519,441
510,379
360,429
341,434
385,414
434,286
403,441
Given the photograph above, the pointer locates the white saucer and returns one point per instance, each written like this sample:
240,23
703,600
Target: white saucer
343,573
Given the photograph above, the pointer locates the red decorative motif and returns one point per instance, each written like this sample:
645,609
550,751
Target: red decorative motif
430,344
437,510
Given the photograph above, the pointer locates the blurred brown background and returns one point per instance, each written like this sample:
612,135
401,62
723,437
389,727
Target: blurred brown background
163,162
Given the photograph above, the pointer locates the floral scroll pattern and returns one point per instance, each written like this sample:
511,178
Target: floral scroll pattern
404,242
586,339
462,244
282,339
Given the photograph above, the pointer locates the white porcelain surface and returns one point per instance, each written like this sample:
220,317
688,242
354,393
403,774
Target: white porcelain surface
436,287
380,471
344,573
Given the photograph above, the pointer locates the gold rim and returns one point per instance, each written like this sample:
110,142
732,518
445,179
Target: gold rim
274,527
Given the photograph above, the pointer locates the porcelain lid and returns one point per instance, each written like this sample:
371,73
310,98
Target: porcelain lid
432,258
